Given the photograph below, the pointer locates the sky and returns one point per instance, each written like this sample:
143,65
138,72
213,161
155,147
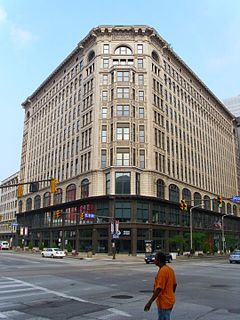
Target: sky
36,35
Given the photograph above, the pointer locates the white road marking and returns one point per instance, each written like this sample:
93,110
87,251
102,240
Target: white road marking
59,294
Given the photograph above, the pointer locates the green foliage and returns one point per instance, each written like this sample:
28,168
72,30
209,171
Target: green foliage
30,245
232,242
198,238
69,247
41,246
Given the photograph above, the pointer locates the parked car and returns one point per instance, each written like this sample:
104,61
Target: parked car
234,256
4,245
150,257
53,253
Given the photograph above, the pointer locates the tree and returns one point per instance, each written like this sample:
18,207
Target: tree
232,242
198,238
178,242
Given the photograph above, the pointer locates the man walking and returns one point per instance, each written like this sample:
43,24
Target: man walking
164,288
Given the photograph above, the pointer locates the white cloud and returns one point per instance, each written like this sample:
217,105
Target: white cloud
21,37
3,15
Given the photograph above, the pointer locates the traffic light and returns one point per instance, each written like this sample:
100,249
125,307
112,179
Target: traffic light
220,201
20,191
58,214
82,216
53,185
183,205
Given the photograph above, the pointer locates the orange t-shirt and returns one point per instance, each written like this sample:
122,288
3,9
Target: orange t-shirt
166,280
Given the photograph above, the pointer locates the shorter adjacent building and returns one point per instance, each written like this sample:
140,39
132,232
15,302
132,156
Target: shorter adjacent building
8,208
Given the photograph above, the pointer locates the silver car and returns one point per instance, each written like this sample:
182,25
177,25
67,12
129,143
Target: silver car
234,256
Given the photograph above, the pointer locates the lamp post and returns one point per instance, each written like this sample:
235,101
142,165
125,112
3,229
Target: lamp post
223,237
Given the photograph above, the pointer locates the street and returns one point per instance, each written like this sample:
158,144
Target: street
32,287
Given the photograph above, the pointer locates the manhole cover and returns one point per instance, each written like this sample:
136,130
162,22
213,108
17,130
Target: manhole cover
122,296
219,286
146,291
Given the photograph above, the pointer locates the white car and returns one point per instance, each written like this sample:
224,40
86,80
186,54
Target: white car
235,256
53,253
4,245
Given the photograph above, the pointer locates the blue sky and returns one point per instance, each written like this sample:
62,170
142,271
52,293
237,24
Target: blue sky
36,35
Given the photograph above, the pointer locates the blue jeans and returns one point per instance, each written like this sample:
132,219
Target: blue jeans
164,314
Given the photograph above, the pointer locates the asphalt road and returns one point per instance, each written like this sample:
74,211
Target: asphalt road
38,288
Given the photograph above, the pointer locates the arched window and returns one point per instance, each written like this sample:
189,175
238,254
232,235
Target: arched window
123,50
20,206
57,198
46,199
223,209
71,192
234,209
197,198
186,195
91,55
229,208
173,193
85,188
155,56
37,202
207,203
29,204
160,189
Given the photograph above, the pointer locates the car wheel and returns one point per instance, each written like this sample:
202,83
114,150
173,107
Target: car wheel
43,255
230,261
147,262
52,256
61,257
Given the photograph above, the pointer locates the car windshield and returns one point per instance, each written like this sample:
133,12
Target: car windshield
237,252
56,249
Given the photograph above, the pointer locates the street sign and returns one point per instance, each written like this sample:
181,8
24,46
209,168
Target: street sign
115,236
89,215
236,199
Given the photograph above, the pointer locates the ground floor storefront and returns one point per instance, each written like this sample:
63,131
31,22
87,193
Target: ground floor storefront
126,223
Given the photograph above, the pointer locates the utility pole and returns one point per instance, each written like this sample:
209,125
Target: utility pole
191,226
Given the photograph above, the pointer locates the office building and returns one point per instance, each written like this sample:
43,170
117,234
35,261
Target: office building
128,130
8,208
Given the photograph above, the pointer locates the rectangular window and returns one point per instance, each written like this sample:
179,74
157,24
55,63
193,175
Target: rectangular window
122,157
105,79
123,76
122,132
108,181
104,134
103,158
105,63
123,93
104,113
140,63
137,183
123,211
106,48
141,79
104,95
123,110
140,49
141,134
142,159
122,183
141,95
141,113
